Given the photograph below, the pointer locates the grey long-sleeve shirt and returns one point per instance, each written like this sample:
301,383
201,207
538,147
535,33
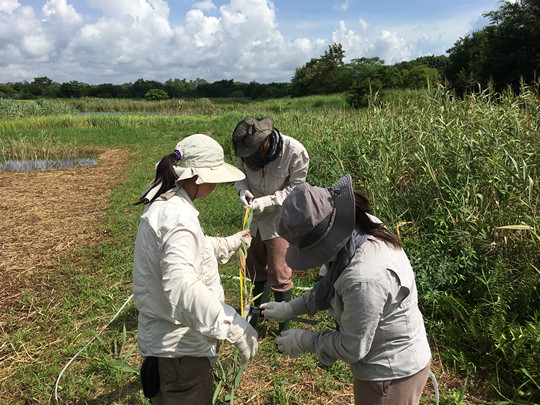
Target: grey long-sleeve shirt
381,330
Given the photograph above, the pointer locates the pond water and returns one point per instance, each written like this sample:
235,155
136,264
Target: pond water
118,113
28,165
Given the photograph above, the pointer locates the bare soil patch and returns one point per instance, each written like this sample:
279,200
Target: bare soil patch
44,215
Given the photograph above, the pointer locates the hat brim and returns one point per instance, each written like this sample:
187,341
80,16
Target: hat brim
339,231
223,173
247,148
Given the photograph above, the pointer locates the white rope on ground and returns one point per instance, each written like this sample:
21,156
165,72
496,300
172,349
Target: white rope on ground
88,344
431,375
435,386
238,278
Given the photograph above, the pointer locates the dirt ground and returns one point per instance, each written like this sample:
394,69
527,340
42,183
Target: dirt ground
44,214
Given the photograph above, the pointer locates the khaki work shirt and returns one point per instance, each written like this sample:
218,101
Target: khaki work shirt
273,183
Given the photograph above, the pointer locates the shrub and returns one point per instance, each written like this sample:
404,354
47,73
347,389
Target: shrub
156,94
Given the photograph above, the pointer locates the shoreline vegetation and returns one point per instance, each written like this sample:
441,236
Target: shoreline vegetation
456,179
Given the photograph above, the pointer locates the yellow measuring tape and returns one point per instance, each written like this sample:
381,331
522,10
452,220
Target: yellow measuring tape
242,253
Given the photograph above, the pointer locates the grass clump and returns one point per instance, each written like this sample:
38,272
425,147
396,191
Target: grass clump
14,109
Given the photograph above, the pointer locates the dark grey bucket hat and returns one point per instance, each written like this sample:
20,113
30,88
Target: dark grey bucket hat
317,222
249,135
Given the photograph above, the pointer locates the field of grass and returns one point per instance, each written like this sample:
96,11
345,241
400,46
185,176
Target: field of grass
456,179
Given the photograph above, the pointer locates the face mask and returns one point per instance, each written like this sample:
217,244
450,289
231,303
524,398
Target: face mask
274,148
254,163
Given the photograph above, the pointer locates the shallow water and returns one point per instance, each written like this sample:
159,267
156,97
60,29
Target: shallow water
118,113
28,165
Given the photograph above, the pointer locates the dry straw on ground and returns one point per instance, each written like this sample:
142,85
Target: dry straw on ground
44,215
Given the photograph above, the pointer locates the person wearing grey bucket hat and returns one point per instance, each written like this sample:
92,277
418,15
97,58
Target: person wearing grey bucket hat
177,290
369,289
274,164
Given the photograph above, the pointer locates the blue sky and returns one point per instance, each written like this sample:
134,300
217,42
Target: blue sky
120,41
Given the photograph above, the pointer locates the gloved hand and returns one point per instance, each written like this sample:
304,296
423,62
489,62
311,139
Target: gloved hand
293,342
244,236
257,206
247,344
244,196
277,311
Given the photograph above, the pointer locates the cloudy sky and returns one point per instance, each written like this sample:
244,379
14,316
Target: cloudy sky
120,41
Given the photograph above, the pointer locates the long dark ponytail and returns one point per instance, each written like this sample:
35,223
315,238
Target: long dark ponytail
375,229
165,175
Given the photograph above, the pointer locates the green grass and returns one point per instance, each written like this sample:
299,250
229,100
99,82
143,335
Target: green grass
460,177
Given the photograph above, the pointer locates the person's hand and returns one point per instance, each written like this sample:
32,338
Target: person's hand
257,206
247,344
277,311
244,236
245,197
294,342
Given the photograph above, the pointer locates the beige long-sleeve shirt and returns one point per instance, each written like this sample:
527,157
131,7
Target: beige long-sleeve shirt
273,183
176,285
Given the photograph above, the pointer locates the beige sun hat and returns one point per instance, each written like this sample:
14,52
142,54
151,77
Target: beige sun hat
201,156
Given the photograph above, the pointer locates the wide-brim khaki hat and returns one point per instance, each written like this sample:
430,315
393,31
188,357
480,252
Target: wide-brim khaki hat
317,222
202,156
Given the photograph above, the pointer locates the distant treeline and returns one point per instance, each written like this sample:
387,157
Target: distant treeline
504,53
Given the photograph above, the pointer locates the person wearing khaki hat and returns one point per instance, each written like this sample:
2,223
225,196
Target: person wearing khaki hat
273,164
176,284
369,289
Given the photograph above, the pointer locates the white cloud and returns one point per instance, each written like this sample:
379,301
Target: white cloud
16,23
364,26
241,39
354,45
344,6
37,46
391,48
8,6
205,5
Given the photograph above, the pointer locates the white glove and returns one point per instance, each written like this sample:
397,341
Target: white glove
243,236
244,195
257,206
247,344
293,342
277,311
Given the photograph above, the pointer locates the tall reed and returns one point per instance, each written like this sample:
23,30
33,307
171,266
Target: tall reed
462,175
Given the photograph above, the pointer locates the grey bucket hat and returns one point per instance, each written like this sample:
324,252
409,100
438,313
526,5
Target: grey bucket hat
317,222
249,135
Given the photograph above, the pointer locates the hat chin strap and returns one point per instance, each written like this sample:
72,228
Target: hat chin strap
196,193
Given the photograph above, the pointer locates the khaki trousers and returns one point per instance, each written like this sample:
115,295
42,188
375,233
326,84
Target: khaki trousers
184,380
403,391
266,261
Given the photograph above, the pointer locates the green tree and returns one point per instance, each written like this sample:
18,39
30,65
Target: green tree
324,75
502,53
73,89
419,76
156,94
436,62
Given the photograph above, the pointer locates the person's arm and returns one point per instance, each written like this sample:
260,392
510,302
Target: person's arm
298,169
283,311
225,247
193,303
363,306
